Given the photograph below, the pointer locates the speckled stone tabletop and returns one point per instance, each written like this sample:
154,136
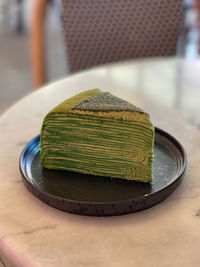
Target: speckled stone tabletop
34,234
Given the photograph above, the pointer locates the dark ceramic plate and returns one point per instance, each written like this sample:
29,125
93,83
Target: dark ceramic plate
100,196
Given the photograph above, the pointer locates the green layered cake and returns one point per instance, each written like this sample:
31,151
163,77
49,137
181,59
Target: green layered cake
97,133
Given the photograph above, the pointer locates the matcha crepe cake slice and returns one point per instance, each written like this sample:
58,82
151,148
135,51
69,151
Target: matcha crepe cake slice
97,133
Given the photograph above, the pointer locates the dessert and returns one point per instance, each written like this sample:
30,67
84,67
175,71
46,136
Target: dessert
97,133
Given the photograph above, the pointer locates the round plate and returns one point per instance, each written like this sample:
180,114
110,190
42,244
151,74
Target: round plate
103,196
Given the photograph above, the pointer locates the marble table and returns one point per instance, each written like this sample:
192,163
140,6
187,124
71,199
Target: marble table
34,234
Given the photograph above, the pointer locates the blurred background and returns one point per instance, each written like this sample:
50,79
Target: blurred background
15,63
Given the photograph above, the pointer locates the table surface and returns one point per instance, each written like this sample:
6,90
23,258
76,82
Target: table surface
34,234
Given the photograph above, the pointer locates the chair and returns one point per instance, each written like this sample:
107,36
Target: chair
105,31
37,42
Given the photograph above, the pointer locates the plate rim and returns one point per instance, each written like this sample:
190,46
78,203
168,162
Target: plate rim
172,139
